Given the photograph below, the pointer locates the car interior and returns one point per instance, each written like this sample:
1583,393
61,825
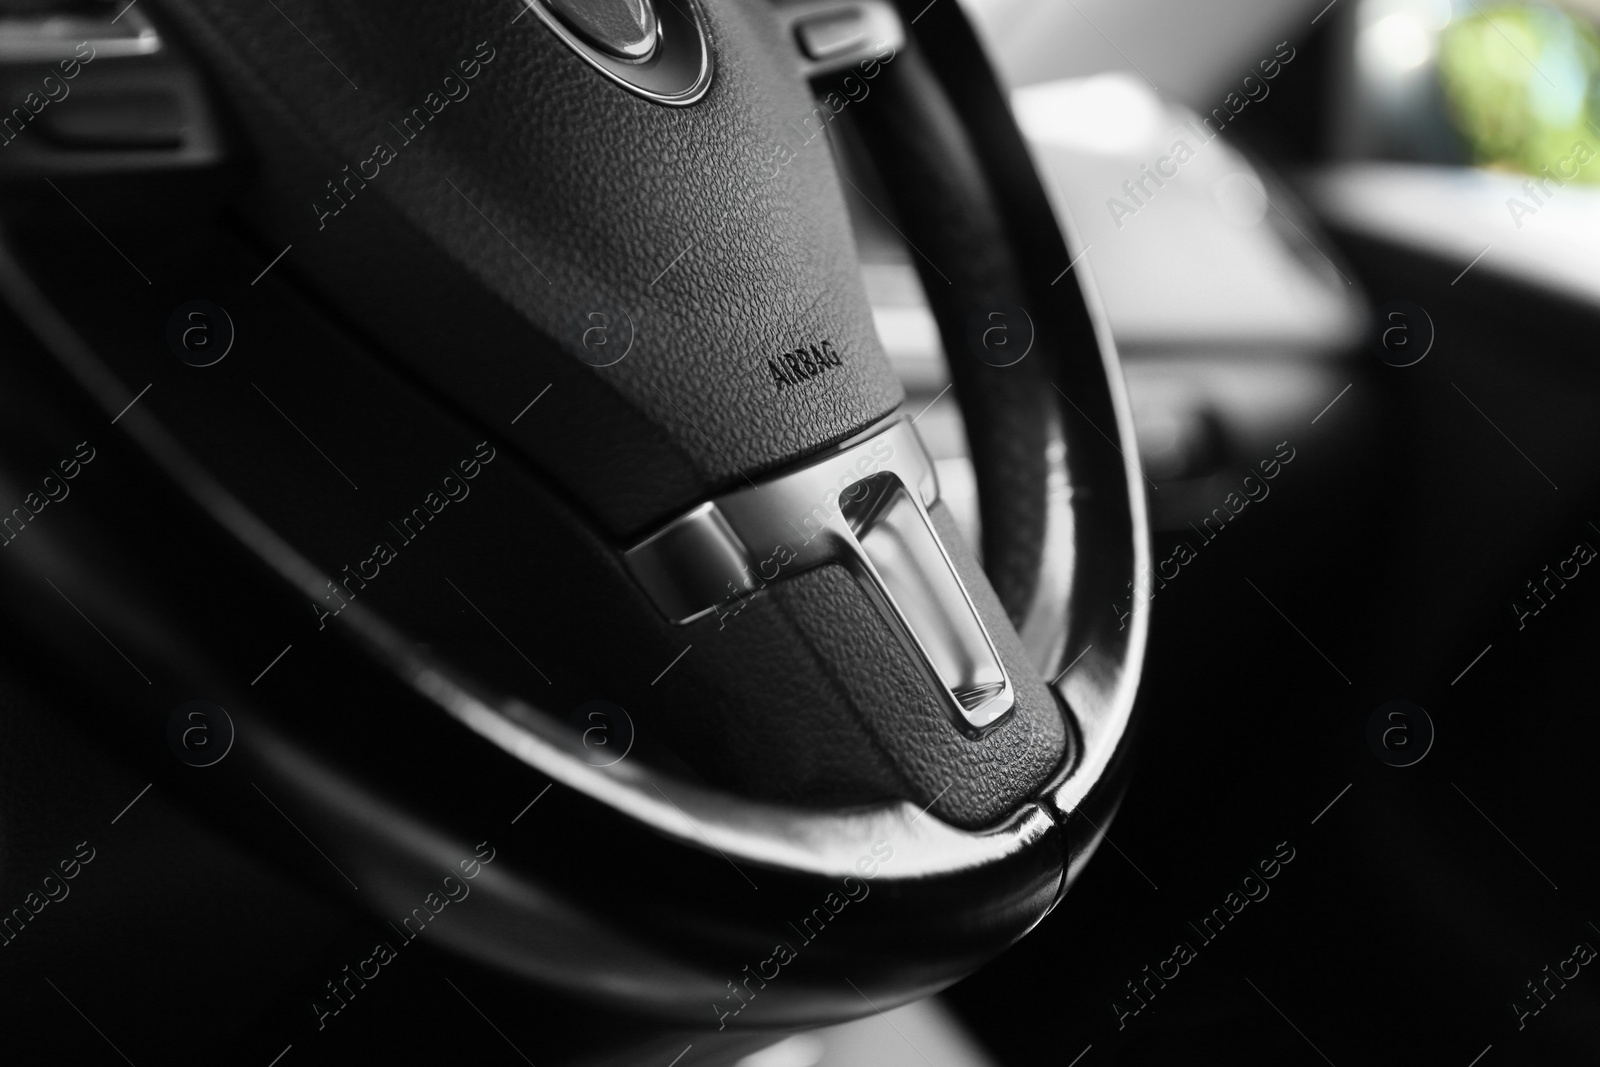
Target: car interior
799,533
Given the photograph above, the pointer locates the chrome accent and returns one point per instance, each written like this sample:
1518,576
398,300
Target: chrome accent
1101,682
864,506
906,552
626,29
677,70
689,558
1044,628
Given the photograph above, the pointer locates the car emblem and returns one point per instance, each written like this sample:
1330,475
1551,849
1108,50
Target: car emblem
660,54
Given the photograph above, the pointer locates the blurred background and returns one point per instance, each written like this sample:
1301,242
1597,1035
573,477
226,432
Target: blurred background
1342,159
1418,117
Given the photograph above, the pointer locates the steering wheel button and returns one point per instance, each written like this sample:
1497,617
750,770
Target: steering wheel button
823,37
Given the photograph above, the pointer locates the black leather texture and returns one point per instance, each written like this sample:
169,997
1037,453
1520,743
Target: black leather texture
545,192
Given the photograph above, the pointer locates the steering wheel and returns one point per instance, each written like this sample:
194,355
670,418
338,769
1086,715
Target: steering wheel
503,458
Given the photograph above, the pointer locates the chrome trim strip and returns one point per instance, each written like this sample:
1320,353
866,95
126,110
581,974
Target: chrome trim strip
864,506
1102,686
